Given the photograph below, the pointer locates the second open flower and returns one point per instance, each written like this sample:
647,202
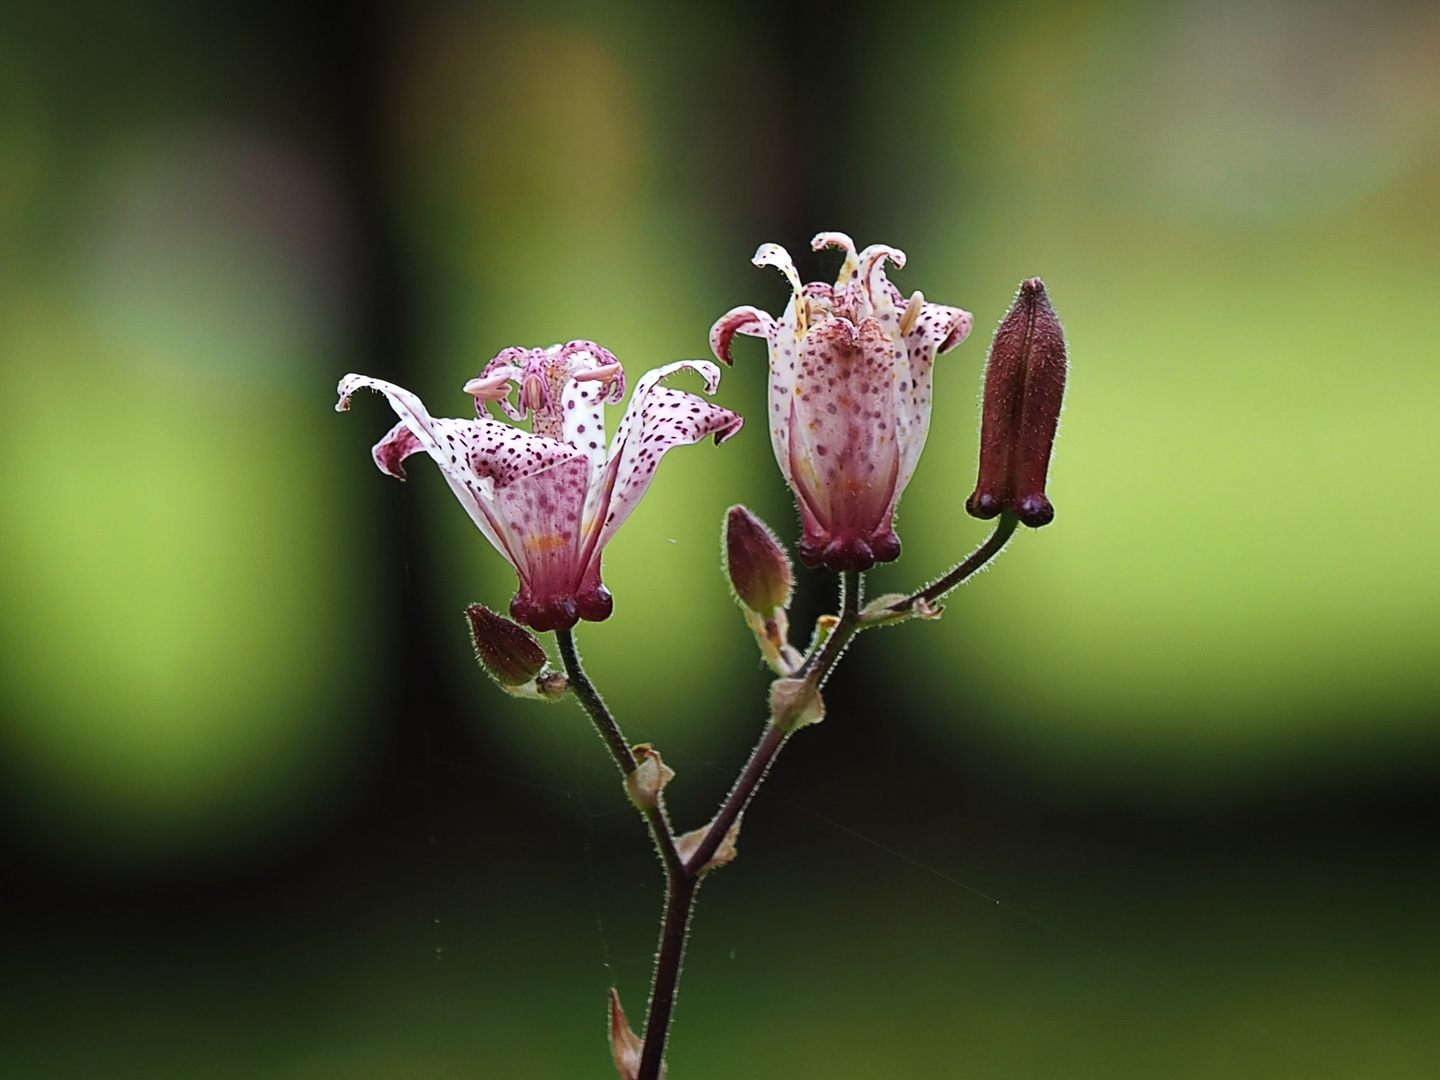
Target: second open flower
849,395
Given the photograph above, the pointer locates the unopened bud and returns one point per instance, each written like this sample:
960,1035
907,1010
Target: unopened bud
1024,387
625,1046
506,650
511,656
795,703
645,784
758,567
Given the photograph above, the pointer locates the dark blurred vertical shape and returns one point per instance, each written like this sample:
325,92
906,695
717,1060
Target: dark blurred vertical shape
339,57
341,54
823,64
814,53
311,74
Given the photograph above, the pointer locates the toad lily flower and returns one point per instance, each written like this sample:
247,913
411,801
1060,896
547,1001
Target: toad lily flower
849,395
550,499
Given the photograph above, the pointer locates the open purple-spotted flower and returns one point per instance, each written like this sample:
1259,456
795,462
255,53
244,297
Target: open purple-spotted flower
551,498
849,395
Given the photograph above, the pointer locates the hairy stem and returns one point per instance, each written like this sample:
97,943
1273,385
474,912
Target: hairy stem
680,889
852,584
682,885
740,795
993,545
591,701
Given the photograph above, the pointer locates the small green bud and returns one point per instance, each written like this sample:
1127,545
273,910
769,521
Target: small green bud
884,610
758,567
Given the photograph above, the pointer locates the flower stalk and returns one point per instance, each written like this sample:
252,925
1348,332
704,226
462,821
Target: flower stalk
599,713
849,412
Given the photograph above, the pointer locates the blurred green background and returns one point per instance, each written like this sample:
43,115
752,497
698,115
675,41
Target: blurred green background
1158,797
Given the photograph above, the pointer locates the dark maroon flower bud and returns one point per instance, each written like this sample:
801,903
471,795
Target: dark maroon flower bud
758,567
1024,386
510,654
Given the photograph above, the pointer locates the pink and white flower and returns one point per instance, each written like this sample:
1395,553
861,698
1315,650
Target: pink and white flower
550,499
849,395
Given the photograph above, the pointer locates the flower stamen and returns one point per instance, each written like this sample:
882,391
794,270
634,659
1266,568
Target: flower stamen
491,388
600,374
912,312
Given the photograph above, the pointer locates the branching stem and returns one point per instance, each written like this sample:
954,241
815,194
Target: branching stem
683,875
680,893
821,660
993,545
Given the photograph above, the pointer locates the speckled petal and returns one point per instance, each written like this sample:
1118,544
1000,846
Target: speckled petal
540,515
869,290
657,419
785,338
741,320
476,457
582,410
937,328
776,256
397,445
843,450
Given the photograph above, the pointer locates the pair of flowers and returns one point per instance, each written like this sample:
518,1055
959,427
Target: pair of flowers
849,410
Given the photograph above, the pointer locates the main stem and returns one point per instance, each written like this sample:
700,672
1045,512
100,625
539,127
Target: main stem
680,889
683,882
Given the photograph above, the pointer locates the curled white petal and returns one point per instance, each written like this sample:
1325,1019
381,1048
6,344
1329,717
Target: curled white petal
776,256
656,420
844,243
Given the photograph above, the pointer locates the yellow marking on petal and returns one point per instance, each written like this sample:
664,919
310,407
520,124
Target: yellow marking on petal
547,542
